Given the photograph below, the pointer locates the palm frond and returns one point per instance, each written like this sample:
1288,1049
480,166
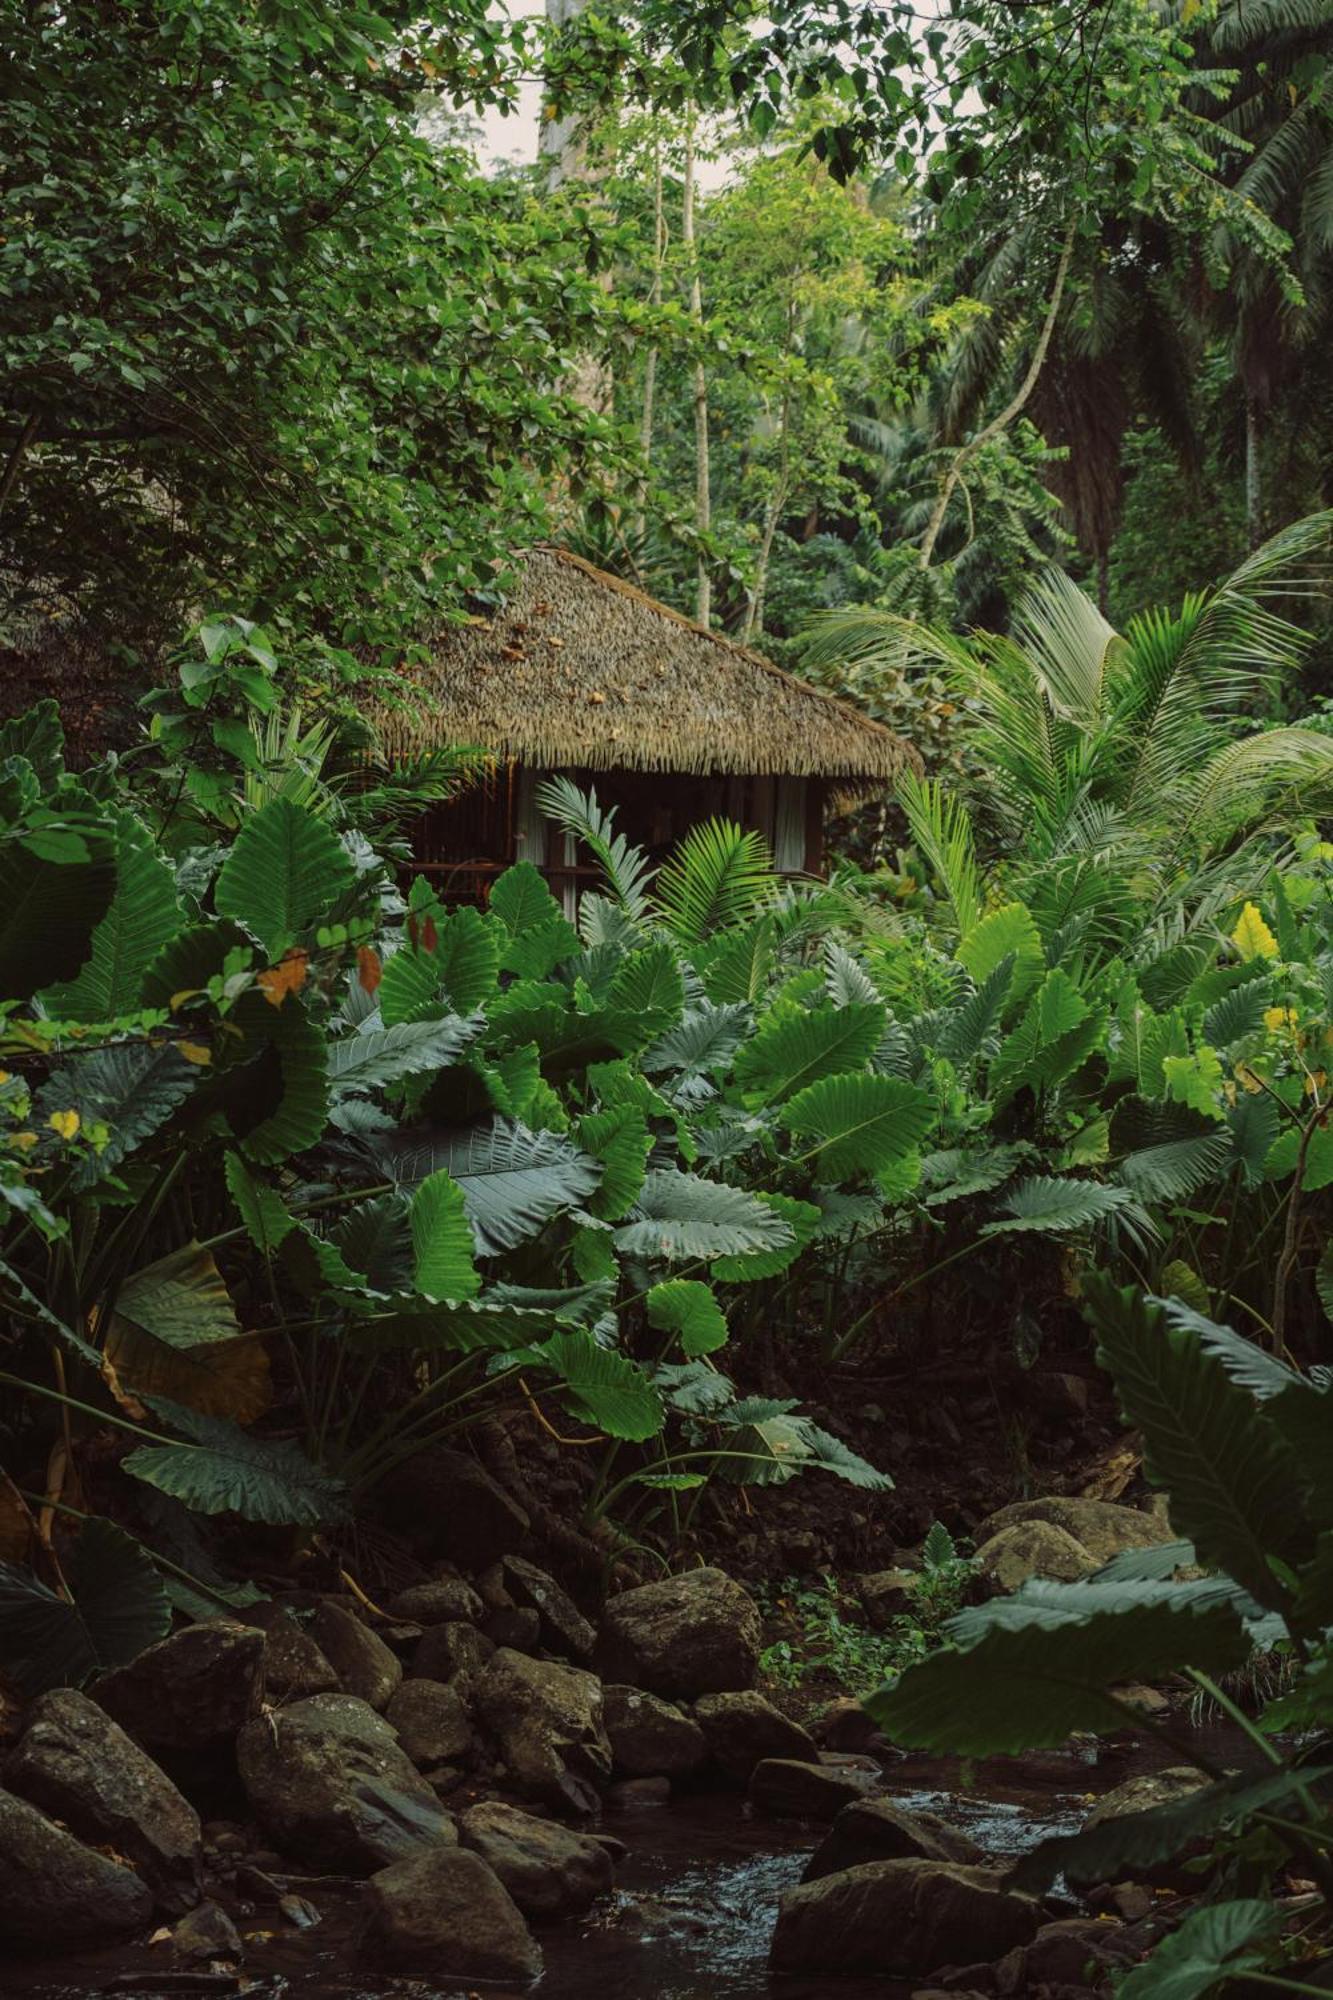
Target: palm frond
942,830
1070,645
720,874
627,870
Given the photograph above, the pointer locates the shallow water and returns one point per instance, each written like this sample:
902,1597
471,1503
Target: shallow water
692,1915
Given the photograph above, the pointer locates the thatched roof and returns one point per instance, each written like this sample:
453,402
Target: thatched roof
581,671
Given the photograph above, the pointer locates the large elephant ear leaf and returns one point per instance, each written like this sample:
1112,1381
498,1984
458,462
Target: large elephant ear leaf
221,1469
260,1207
682,1217
802,1219
274,1092
606,1388
1042,1664
513,1180
174,1333
858,1124
116,1607
688,1307
130,1089
1214,1945
143,916
39,737
1234,1485
442,1241
56,884
795,1046
620,1139
285,871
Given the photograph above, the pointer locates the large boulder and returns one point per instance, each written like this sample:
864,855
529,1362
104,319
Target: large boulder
1025,1549
743,1728
547,1722
79,1767
688,1635
293,1664
1099,1526
880,1830
451,1504
649,1737
443,1652
444,1913
363,1663
898,1918
563,1629
886,1594
432,1723
436,1602
328,1780
791,1788
192,1691
1166,1787
549,1870
57,1894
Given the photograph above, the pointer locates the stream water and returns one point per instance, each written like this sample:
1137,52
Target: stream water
692,1914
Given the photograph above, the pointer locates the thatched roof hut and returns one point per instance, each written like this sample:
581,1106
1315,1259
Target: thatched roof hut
580,672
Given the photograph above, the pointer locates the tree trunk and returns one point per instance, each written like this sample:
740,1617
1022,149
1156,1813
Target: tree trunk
702,482
998,425
1254,471
650,364
1104,581
562,150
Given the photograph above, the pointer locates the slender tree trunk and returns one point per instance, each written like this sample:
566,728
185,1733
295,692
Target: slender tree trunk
14,463
1254,471
1013,408
754,610
702,480
650,364
562,149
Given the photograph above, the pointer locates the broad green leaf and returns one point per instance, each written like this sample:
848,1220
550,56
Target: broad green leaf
261,1208
468,956
680,1217
1216,1944
1195,1080
1045,1203
374,1238
143,916
181,1299
736,967
374,1057
620,1139
38,736
442,1240
647,993
1318,1171
1008,932
607,1388
857,1124
222,1469
803,1218
50,909
1028,1683
688,1307
703,1041
131,1088
1233,1484
116,1607
522,901
285,871
275,1092
513,1180
795,1046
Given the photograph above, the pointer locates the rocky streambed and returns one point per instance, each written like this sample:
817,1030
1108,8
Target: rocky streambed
473,1787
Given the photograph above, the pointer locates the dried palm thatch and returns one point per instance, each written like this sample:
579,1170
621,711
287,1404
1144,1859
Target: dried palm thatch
582,671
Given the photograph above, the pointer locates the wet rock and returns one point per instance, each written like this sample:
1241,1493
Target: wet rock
1075,1952
688,1635
365,1666
192,1690
564,1629
547,1869
898,1917
431,1721
437,1602
880,1830
206,1933
547,1721
493,1590
55,1892
446,1914
1153,1788
1026,1549
327,1779
649,1737
1142,1699
844,1725
1099,1526
1130,1901
293,1664
447,1650
789,1788
518,1626
452,1504
79,1767
744,1728
886,1594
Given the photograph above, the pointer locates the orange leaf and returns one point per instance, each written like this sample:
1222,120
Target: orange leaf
430,937
288,976
369,971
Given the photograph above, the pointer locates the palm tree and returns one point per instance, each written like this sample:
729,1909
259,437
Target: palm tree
1119,775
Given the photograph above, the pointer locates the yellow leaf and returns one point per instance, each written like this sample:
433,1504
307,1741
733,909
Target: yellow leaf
66,1123
24,1141
195,1052
1279,1017
1252,937
220,1378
